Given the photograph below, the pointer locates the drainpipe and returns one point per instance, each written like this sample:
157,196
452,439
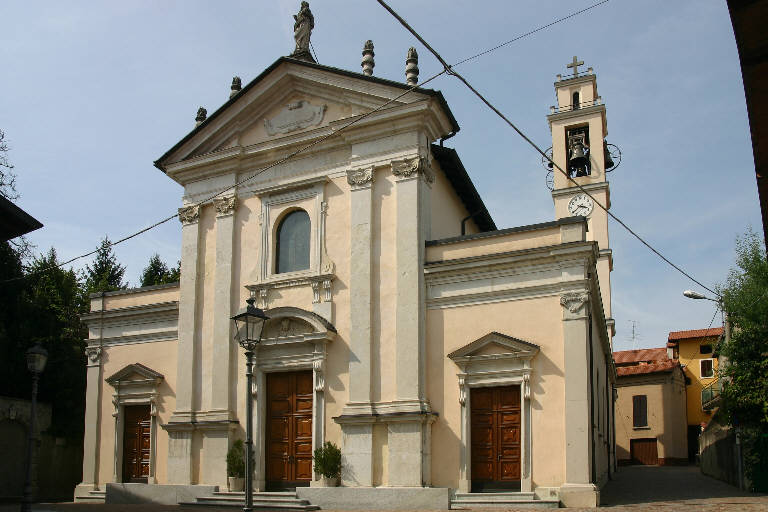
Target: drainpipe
465,219
446,138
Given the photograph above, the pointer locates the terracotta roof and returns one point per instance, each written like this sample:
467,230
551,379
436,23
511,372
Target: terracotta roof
695,333
641,369
643,354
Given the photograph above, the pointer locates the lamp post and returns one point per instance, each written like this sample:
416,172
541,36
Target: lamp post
727,332
249,325
37,356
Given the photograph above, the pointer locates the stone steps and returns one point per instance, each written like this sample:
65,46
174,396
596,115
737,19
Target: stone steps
92,497
272,500
468,500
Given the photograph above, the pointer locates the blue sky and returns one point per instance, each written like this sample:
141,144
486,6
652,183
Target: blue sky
93,92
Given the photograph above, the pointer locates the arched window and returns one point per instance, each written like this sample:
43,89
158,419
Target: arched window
575,100
292,250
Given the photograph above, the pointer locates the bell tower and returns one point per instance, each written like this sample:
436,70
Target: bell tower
578,125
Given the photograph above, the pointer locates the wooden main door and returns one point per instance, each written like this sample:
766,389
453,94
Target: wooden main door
136,443
495,424
289,430
644,451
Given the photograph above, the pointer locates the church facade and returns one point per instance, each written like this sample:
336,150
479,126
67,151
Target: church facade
446,357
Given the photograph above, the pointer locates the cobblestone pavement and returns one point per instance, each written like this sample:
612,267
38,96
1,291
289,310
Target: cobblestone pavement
634,489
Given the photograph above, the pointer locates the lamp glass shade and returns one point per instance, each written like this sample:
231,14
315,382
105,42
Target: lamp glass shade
249,325
37,356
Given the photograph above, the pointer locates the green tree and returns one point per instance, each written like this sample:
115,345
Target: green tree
106,274
157,272
745,396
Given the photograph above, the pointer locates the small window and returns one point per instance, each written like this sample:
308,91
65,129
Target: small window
707,368
705,349
639,411
576,103
292,248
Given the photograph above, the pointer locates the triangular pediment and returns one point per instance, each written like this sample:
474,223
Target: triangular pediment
133,373
495,345
289,99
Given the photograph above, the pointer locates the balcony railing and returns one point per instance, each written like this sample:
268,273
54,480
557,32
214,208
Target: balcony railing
710,395
570,108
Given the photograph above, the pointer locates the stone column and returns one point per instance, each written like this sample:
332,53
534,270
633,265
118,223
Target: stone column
357,439
577,491
220,411
180,424
92,436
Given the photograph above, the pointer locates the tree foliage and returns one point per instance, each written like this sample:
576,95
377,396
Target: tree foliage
157,272
105,274
745,299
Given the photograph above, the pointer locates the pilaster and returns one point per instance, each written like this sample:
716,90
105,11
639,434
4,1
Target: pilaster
180,435
411,175
223,347
360,286
91,439
577,489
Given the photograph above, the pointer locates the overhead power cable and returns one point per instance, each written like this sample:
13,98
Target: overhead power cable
449,69
241,182
163,221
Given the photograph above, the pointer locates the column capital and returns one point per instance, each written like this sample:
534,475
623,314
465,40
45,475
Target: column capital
413,167
573,302
94,355
360,178
224,205
189,214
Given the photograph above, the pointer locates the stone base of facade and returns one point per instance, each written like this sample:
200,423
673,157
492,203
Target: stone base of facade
377,498
132,494
579,495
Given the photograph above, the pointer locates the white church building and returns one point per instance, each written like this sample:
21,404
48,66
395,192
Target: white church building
452,362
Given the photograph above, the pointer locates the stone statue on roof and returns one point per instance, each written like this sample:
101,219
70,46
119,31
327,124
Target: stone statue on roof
302,30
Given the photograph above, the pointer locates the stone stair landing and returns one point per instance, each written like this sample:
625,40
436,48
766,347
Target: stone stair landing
264,500
470,500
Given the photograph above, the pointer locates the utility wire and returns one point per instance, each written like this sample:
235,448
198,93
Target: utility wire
447,67
163,221
237,184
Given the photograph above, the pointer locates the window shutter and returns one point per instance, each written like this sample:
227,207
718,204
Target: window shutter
639,411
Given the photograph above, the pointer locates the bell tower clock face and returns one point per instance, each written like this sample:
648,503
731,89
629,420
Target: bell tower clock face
580,204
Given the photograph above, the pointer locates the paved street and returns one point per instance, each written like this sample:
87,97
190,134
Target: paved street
635,489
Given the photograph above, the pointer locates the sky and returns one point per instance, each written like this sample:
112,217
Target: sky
93,92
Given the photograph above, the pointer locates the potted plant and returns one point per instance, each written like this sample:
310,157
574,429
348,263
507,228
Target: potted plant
236,466
327,460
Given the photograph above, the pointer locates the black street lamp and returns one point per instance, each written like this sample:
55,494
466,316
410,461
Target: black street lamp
37,356
249,325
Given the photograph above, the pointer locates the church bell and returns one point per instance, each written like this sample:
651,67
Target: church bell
578,157
608,160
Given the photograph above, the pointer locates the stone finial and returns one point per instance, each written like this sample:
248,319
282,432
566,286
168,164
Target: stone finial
200,117
367,62
412,67
303,24
237,84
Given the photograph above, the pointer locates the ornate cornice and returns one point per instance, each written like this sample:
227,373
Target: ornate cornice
224,205
573,301
189,214
360,177
411,167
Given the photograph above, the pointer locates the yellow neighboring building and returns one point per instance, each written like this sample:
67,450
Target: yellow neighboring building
650,408
695,351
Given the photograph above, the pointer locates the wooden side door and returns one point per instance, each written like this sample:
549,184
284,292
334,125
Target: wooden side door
495,432
289,430
136,443
644,451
